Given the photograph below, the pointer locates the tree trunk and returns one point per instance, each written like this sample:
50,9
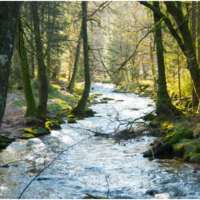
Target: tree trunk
41,110
179,77
198,32
8,18
195,100
144,70
152,63
185,43
25,73
164,106
189,50
80,108
76,63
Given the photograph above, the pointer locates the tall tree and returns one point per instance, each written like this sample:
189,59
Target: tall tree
80,108
195,100
185,41
41,110
25,73
198,32
8,19
163,104
76,63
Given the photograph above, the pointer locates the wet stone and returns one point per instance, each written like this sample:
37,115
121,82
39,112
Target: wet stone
43,179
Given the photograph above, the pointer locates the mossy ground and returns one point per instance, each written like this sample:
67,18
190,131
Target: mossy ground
5,141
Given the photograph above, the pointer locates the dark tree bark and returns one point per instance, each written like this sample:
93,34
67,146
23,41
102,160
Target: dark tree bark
80,108
163,104
41,110
25,73
76,63
198,32
8,19
195,100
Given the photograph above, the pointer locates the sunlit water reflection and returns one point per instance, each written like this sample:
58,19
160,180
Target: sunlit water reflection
95,165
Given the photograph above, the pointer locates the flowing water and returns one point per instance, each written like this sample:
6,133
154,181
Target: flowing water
97,166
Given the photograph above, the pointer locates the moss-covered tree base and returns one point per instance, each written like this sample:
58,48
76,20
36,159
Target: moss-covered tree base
166,110
165,145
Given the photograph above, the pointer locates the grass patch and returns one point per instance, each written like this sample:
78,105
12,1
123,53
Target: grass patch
19,103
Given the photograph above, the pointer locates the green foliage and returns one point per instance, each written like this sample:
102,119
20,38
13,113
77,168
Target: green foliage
19,103
180,134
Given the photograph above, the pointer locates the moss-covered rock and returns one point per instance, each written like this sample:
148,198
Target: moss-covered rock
134,109
188,149
57,119
40,131
162,146
103,101
89,112
53,125
120,100
96,95
26,136
107,99
71,121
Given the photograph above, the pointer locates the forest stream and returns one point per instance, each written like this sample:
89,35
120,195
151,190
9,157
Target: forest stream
98,166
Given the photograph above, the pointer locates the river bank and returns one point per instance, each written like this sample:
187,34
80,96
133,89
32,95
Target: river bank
180,135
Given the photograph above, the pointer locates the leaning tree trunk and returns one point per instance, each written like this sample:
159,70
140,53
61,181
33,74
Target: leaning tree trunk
164,106
80,108
8,19
41,110
25,73
76,63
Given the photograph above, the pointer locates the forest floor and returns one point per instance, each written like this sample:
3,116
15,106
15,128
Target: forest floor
14,119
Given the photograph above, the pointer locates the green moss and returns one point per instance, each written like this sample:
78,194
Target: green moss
180,134
3,145
108,99
197,149
96,95
166,128
89,112
71,116
186,158
71,120
19,103
120,100
40,131
26,136
56,119
53,125
195,158
196,130
103,101
56,86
